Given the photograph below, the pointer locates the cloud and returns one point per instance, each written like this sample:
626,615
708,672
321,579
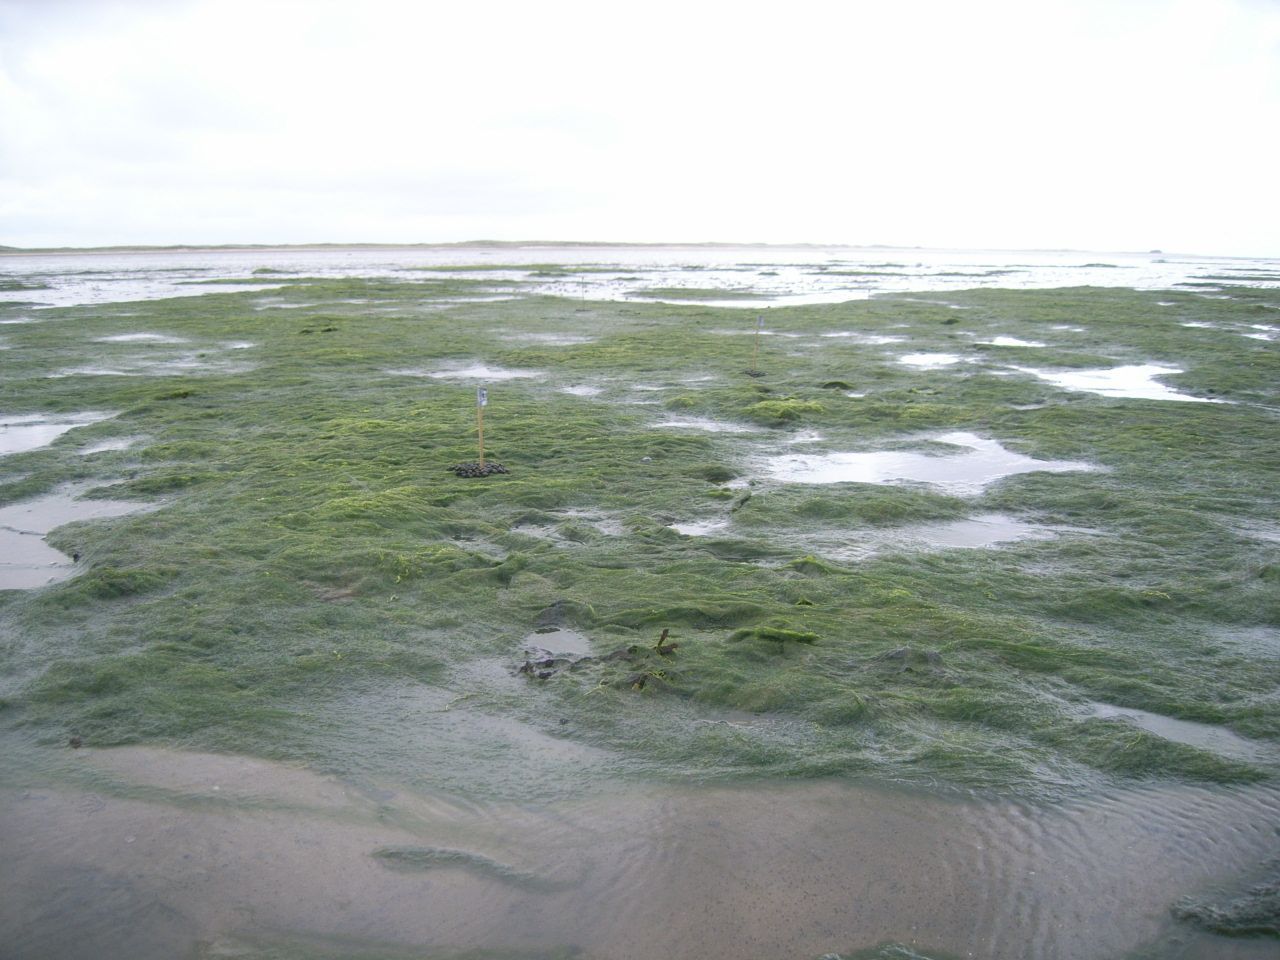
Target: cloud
1052,124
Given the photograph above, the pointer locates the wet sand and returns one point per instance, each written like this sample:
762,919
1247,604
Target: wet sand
161,851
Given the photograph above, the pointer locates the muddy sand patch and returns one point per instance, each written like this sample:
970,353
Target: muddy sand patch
178,849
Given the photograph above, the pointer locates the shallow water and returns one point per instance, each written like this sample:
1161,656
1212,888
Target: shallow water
700,528
32,431
978,462
27,561
768,275
140,853
1133,381
706,424
929,361
191,362
1011,342
139,338
1203,735
559,640
581,390
122,443
476,371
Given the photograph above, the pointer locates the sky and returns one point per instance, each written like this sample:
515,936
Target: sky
1113,125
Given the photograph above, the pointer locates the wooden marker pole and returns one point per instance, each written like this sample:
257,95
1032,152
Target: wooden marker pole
482,400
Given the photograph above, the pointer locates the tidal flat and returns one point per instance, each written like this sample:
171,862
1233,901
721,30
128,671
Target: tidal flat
781,646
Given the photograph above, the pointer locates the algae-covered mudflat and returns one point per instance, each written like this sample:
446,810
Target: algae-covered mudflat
968,576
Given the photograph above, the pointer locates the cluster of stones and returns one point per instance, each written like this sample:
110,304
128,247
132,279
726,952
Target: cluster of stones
474,469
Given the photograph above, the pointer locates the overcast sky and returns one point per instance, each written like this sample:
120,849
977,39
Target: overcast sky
1112,125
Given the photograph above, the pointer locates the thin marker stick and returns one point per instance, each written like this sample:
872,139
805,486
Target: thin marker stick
482,400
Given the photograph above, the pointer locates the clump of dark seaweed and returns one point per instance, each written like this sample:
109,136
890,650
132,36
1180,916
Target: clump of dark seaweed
648,663
1254,914
474,469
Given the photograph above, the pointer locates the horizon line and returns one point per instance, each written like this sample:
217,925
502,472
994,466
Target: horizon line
226,247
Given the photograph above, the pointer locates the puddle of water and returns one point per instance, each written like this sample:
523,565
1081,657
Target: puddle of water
702,423
121,443
700,528
238,345
773,871
146,366
1202,735
477,371
929,361
978,462
32,431
139,338
581,391
751,331
1199,325
608,525
89,372
550,339
986,530
806,436
559,640
871,339
1252,641
1132,381
975,533
28,561
1011,342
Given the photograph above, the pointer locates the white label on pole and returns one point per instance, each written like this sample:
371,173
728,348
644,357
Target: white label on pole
759,323
482,397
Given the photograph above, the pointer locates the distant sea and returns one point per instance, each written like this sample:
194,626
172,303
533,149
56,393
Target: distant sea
749,275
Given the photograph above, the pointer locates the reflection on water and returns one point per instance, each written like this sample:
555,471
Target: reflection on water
1136,381
977,462
475,371
27,561
155,850
32,431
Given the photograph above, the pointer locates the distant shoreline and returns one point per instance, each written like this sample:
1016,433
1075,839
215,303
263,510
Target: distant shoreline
550,244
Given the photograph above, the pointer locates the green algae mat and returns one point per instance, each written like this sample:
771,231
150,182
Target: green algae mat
1024,540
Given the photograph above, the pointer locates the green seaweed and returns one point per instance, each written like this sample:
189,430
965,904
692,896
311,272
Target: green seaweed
312,564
